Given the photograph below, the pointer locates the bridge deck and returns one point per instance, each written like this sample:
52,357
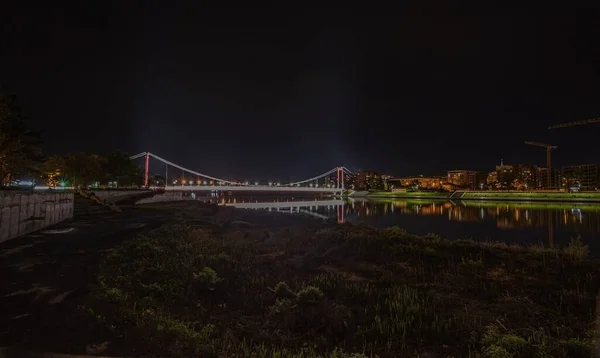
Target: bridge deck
286,204
252,188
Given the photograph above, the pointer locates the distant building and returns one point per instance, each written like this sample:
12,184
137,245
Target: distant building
368,181
423,182
505,174
515,176
583,177
492,179
479,181
464,179
542,181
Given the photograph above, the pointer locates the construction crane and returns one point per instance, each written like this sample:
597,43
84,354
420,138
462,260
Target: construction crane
549,149
576,123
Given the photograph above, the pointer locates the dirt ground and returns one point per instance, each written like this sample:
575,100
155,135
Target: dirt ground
46,275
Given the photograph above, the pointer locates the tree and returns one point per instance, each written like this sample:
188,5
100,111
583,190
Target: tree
53,170
75,169
82,170
20,148
414,185
122,170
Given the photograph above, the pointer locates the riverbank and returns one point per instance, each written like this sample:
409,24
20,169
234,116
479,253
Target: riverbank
267,284
589,197
190,279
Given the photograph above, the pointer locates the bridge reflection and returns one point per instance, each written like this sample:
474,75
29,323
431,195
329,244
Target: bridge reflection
574,218
318,208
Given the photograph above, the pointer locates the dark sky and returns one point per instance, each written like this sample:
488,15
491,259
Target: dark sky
294,92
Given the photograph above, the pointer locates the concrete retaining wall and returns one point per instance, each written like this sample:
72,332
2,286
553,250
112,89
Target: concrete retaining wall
168,196
114,195
22,213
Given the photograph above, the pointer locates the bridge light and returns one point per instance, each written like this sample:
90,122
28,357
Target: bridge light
204,182
174,181
255,183
183,182
270,183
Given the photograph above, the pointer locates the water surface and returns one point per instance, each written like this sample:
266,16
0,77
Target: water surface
550,224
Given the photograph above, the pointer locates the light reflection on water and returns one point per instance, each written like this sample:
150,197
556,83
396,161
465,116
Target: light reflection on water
551,224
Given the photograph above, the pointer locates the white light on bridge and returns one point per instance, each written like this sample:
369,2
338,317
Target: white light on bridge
204,182
270,183
255,183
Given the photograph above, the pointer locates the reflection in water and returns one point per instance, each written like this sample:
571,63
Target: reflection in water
535,219
506,215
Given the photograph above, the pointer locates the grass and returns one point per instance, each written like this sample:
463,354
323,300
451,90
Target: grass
408,194
344,291
539,195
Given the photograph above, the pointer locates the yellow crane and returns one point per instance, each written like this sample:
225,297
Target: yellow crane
549,149
576,123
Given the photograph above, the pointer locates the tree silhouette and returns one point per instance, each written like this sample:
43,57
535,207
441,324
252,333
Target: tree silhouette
20,148
122,170
82,170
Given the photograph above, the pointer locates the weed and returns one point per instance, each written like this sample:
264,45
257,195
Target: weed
310,294
577,250
207,277
344,292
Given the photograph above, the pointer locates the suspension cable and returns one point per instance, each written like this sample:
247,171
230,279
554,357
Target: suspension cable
139,155
191,171
311,179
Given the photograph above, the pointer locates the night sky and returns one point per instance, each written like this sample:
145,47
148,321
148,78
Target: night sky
289,92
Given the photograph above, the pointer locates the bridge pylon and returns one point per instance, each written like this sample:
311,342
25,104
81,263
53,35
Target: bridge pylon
340,178
147,159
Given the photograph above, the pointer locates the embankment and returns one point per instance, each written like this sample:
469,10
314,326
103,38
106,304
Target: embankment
24,212
585,197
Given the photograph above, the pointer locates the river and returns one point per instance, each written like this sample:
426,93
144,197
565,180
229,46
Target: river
550,224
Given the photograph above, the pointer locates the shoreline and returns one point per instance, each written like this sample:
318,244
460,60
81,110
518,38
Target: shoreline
449,197
207,280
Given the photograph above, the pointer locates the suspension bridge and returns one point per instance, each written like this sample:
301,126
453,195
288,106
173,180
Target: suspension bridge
206,182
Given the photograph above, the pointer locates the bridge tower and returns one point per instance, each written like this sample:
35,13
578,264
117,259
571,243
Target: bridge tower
147,159
340,178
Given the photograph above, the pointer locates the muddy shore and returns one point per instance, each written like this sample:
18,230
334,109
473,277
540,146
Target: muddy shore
46,275
191,279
